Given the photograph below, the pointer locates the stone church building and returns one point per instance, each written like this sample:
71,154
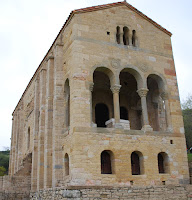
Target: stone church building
101,112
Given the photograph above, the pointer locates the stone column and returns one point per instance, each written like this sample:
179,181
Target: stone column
35,137
143,93
48,124
164,96
115,89
40,170
130,37
91,109
58,115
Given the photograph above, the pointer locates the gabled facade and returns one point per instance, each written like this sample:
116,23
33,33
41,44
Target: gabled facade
103,107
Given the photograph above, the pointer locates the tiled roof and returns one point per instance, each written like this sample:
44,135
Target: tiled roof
91,9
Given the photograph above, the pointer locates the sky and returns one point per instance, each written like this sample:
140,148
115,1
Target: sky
28,28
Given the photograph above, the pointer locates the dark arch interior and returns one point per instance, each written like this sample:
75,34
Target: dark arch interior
135,164
106,163
123,113
130,102
101,114
161,163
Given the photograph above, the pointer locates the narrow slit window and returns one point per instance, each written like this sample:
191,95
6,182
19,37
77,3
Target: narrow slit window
125,35
134,38
118,35
28,138
66,160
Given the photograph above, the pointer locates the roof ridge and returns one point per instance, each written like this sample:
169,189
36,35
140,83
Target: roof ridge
104,6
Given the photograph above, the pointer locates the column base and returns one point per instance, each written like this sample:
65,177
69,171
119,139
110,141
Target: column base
146,128
118,125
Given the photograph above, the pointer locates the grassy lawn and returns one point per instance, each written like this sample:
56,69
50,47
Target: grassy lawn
189,157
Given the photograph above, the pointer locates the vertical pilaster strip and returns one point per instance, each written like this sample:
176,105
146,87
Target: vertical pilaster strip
115,89
16,142
40,175
11,149
35,137
20,136
143,93
58,115
48,124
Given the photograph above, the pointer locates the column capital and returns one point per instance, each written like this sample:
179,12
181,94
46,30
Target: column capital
50,57
164,95
142,92
115,88
91,87
59,44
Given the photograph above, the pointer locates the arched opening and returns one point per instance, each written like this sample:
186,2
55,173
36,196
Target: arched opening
107,162
134,38
28,138
125,35
66,160
102,97
137,164
163,163
118,34
155,103
130,102
123,113
101,114
67,103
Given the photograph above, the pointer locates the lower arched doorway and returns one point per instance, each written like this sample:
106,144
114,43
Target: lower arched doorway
101,114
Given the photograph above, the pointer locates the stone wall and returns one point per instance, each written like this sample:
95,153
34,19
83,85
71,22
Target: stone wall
16,187
90,193
14,195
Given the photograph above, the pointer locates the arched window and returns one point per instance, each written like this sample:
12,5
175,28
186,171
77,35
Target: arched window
28,138
125,35
66,160
163,164
123,113
67,103
137,165
118,35
101,114
106,162
134,38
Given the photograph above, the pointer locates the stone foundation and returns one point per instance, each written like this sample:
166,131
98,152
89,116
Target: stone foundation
14,195
15,187
139,193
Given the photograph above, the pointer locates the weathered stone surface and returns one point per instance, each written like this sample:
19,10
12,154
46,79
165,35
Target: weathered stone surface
92,193
105,64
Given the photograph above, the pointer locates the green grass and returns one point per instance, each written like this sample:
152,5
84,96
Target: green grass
189,157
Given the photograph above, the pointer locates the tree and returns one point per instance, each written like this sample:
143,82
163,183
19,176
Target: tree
2,171
4,160
187,118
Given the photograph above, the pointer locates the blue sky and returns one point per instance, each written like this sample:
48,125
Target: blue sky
28,28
